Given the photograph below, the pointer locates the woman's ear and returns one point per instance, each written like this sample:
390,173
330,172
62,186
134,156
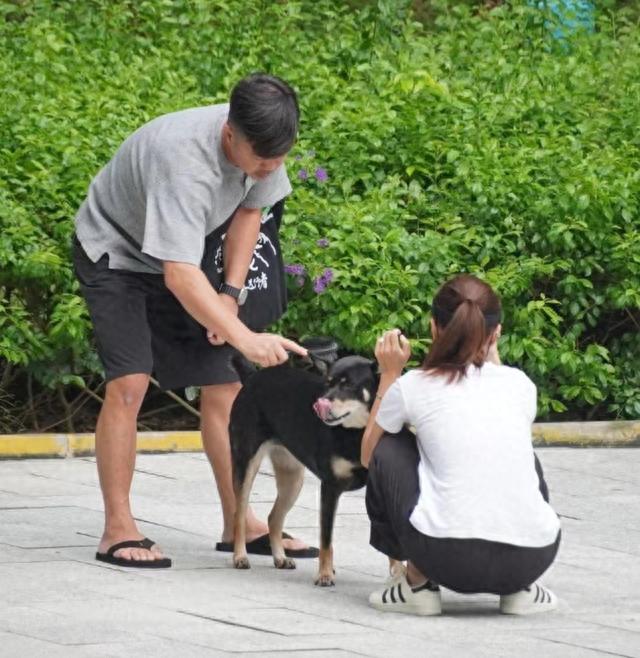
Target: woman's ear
497,332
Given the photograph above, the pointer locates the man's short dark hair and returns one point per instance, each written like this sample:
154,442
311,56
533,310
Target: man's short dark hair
265,110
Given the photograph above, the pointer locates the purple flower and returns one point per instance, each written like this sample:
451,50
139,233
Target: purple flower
298,157
300,281
319,285
321,282
303,174
327,275
311,153
295,269
321,174
322,242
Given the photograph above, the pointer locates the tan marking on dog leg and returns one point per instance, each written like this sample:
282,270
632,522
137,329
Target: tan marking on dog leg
396,568
341,467
325,577
289,475
242,492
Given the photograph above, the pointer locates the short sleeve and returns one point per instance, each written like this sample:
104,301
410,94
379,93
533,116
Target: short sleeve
175,218
266,192
392,413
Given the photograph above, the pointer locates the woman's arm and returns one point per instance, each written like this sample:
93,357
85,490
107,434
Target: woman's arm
392,352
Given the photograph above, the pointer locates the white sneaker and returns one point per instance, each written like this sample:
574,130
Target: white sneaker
399,597
529,601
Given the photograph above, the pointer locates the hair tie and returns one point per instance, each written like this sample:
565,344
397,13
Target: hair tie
443,316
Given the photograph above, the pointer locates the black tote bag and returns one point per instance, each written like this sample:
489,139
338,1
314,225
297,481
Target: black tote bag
266,280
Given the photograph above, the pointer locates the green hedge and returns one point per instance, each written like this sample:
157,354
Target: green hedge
473,143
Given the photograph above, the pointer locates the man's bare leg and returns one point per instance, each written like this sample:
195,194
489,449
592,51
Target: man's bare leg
215,407
116,456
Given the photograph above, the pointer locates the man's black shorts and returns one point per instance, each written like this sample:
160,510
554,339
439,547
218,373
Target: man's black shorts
140,327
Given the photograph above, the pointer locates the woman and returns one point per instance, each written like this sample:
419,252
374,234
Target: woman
464,500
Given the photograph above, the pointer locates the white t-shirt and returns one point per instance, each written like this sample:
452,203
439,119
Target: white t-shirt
476,472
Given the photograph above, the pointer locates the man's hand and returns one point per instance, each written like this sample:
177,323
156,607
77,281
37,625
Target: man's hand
232,306
269,349
192,289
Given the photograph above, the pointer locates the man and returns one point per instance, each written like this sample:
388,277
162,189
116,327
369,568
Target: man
140,236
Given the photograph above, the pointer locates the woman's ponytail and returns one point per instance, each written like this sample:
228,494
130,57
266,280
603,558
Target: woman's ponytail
465,311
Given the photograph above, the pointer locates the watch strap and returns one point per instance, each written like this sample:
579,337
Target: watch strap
227,289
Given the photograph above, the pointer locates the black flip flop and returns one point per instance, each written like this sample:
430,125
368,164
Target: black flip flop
109,557
262,546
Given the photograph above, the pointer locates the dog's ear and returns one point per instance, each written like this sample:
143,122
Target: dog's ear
320,365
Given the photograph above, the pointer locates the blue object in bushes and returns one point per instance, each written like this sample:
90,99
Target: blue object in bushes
568,16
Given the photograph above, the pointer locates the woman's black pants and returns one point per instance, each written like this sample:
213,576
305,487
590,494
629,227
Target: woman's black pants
463,565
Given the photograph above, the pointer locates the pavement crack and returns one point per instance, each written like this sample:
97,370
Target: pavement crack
158,475
228,622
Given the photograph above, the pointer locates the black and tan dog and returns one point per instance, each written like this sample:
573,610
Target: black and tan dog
301,419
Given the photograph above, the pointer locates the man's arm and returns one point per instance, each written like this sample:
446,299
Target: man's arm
239,244
192,289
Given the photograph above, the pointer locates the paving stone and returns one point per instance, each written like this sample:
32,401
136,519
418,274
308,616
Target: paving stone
57,600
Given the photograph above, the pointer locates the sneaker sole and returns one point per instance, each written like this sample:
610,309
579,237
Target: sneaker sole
406,609
529,611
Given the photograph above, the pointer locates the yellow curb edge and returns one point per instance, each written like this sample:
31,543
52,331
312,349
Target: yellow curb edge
16,446
604,434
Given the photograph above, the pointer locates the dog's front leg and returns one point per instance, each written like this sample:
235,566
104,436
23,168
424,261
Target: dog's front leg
329,495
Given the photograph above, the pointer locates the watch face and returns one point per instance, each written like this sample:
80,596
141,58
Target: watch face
242,297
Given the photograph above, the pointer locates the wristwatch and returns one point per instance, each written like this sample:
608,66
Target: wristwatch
239,294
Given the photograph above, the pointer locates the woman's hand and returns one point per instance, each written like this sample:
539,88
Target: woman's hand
392,352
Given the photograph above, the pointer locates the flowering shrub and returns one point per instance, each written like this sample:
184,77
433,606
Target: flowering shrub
468,143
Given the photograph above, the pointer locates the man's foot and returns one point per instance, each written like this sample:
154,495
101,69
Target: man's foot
110,556
529,601
401,597
133,553
262,546
256,529
259,529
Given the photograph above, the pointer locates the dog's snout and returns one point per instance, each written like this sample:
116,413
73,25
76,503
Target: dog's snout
322,407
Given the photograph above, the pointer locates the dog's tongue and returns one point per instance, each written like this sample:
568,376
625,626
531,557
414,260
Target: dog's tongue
322,406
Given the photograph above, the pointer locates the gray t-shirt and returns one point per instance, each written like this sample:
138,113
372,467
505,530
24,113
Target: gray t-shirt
166,188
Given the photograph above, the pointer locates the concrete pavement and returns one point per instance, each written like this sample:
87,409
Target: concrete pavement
57,600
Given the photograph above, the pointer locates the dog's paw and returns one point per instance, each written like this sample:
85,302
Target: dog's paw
325,580
284,563
241,562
